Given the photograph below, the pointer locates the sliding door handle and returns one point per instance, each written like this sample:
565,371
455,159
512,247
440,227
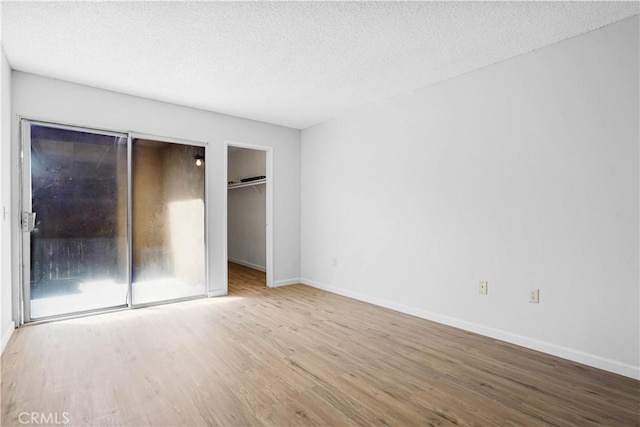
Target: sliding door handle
28,221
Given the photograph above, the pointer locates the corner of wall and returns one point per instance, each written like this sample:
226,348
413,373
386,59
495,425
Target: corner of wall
6,336
7,325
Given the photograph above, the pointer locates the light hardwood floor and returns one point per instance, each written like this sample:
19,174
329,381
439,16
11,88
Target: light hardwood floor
294,356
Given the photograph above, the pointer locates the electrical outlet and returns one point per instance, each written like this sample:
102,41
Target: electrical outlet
484,287
534,296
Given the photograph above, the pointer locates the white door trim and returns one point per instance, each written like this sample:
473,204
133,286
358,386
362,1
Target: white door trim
269,209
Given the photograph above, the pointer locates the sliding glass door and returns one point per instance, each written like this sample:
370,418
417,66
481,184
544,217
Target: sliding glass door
76,239
108,223
168,221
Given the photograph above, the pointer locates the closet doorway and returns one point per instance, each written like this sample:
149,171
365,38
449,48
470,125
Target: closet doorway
108,220
248,212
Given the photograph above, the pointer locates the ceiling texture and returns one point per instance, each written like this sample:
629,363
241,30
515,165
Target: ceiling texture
289,63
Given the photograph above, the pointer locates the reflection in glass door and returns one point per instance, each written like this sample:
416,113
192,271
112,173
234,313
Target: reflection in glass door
168,221
75,258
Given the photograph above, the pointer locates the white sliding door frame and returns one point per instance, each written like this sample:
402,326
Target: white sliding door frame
25,202
207,214
22,195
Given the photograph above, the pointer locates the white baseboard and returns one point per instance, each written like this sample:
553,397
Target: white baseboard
7,335
216,293
248,264
531,343
286,282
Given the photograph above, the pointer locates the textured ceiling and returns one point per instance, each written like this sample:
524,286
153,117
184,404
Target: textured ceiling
293,64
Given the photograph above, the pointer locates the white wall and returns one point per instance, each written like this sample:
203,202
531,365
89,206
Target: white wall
524,174
6,323
247,209
52,100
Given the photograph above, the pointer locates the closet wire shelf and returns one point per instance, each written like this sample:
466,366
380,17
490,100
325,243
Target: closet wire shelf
247,182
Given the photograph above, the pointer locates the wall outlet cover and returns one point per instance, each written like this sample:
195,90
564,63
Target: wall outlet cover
484,287
534,296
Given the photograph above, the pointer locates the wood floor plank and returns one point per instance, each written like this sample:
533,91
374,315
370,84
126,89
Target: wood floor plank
294,356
